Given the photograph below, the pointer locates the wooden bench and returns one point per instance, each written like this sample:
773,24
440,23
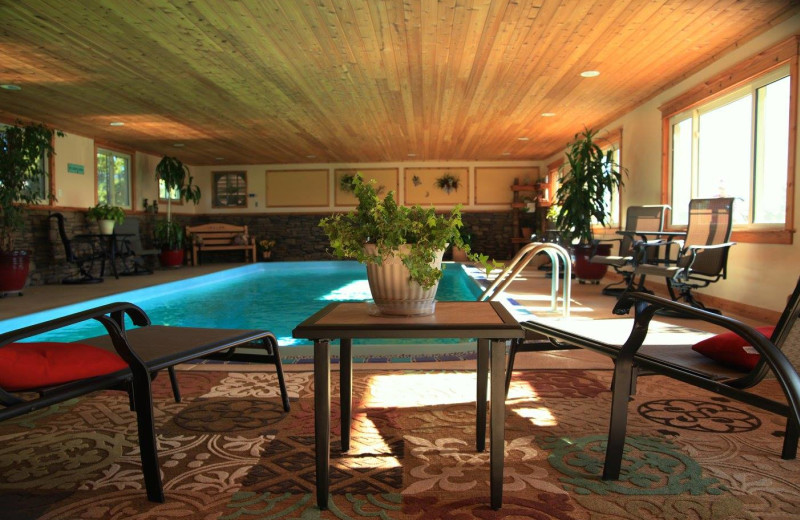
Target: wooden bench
220,237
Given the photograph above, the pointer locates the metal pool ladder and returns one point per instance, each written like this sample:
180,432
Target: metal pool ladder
522,259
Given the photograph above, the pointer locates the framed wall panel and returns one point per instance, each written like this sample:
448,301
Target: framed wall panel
297,188
386,180
493,185
421,186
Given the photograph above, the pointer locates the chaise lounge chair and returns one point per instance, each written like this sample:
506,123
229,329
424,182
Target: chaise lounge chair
121,360
775,354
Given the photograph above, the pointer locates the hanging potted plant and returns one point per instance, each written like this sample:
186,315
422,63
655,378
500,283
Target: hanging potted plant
22,150
169,234
585,178
401,246
106,216
448,182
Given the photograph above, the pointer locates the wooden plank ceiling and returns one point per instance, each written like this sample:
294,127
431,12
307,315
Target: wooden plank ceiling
299,81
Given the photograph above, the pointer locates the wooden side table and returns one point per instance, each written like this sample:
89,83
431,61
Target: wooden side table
488,322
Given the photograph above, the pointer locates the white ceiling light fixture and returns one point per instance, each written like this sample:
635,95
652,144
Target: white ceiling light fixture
311,156
523,139
10,86
548,114
219,158
590,73
505,153
116,123
178,145
412,155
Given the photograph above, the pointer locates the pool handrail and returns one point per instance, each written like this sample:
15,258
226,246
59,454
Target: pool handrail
522,259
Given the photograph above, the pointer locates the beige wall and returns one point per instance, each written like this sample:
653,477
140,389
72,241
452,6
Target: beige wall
762,275
71,189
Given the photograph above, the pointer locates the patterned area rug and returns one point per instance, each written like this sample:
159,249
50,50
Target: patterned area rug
229,452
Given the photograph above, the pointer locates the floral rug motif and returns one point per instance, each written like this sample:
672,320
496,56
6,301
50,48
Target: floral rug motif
230,452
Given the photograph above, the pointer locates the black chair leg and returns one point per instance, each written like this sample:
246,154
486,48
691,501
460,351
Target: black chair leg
623,382
173,379
790,440
279,371
148,447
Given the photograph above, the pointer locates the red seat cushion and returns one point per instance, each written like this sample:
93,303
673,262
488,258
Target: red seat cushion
32,365
731,349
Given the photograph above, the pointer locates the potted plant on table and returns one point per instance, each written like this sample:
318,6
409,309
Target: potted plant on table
401,246
106,216
168,234
585,178
23,149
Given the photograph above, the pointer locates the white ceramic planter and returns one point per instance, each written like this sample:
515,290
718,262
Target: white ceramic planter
106,226
393,290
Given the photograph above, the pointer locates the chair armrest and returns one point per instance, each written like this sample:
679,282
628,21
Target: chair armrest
136,314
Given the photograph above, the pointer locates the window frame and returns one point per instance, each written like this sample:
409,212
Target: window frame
177,200
745,73
131,169
215,177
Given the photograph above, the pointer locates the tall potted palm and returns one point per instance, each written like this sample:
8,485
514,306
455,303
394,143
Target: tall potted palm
23,148
168,234
587,176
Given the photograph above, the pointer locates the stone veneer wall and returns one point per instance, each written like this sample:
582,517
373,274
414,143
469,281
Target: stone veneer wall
297,236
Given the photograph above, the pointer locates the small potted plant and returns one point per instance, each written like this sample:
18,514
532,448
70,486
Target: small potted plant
265,246
587,175
401,246
106,216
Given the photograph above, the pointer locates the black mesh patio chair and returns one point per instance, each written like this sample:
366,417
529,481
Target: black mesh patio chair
84,254
130,250
642,224
777,355
694,259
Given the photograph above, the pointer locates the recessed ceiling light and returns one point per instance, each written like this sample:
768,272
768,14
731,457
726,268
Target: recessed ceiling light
548,114
590,73
219,158
116,123
523,138
178,145
311,156
412,155
9,86
506,153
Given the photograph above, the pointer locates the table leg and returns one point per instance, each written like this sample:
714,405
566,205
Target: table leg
322,418
498,421
480,399
346,389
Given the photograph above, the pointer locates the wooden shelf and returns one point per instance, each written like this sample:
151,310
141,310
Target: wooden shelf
526,187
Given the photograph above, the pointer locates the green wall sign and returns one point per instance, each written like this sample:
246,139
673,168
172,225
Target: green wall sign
75,168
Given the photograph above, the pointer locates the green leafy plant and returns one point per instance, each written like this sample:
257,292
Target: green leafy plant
22,146
176,177
389,226
586,177
168,235
106,212
346,182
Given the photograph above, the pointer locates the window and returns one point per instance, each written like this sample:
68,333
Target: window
174,194
735,135
229,190
612,199
113,178
735,146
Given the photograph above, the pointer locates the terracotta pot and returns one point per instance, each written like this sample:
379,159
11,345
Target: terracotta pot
266,255
171,257
14,267
393,291
585,270
459,255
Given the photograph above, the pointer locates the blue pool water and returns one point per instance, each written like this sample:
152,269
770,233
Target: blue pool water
274,296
